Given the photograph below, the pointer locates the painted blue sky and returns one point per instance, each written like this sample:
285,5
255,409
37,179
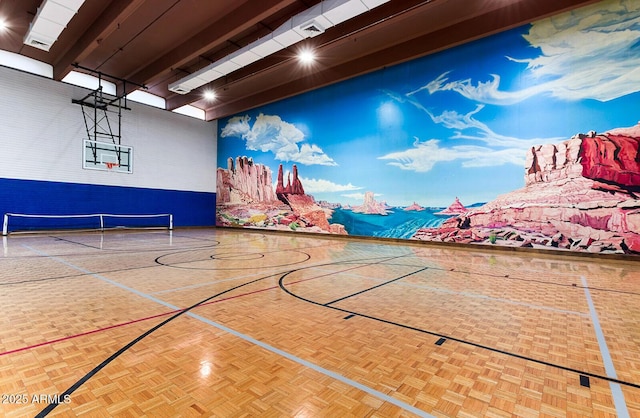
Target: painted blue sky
457,123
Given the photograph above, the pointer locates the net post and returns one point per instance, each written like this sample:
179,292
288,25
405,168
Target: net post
170,222
5,225
101,222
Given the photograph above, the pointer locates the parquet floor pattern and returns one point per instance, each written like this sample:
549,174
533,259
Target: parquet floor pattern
229,323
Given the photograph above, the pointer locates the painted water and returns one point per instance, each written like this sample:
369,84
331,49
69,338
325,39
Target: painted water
397,224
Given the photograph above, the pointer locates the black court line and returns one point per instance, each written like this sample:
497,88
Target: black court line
509,277
101,251
214,244
448,337
179,265
67,393
358,264
80,275
76,276
55,238
376,286
175,265
104,252
255,238
520,279
80,382
261,236
219,244
46,279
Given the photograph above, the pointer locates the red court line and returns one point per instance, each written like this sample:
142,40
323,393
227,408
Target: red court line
122,324
69,337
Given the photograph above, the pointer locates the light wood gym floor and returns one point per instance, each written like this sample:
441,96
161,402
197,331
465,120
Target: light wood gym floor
228,323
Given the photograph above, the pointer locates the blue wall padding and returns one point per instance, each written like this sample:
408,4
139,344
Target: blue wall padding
56,198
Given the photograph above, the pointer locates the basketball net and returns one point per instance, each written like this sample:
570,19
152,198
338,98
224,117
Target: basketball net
111,165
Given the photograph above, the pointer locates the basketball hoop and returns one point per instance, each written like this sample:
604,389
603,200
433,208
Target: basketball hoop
111,165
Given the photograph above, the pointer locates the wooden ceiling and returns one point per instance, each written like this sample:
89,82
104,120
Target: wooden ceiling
157,42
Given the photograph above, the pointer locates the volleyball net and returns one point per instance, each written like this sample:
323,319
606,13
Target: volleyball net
20,222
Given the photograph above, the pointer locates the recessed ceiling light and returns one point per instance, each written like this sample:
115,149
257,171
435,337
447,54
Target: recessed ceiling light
306,56
209,95
3,25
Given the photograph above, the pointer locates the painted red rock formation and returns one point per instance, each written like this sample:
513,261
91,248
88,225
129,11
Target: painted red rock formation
308,212
371,207
293,186
244,182
579,195
456,208
414,207
550,162
246,198
612,159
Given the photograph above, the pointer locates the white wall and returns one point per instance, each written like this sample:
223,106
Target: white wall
42,133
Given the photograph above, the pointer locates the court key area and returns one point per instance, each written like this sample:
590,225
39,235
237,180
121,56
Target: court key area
231,323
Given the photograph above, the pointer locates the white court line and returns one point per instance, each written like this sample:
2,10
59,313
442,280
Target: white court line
315,367
616,390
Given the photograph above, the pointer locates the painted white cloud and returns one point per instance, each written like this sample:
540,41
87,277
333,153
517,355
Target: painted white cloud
270,133
325,186
425,154
592,51
237,126
589,53
458,122
484,92
310,155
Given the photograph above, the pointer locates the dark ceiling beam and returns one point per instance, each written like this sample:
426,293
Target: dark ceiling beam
374,17
117,11
510,16
216,34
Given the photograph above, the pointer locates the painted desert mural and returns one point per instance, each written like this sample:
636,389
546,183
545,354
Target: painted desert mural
527,138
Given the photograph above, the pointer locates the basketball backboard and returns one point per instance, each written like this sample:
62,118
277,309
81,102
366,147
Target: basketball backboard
107,157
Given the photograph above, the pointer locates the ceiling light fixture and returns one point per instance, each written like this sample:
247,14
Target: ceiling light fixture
51,19
306,56
3,25
307,24
209,95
